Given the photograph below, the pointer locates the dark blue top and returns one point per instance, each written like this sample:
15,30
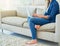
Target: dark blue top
52,11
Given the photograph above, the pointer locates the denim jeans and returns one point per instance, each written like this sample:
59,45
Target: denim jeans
36,21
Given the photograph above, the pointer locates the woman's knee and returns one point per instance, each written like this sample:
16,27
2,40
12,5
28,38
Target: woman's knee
28,19
32,19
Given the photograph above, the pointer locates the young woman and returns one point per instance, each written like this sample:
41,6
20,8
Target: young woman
38,20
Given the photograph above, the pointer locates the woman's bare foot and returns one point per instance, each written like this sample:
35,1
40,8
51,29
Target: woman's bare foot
37,26
32,42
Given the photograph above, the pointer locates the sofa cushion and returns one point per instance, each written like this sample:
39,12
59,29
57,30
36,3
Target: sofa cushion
46,27
17,21
22,12
8,13
26,25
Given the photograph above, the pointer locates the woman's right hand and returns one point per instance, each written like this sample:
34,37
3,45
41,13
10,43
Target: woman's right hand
34,15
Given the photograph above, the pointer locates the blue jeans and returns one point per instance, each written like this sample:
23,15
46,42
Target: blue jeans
36,21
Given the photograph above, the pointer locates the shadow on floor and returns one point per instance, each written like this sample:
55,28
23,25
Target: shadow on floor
39,40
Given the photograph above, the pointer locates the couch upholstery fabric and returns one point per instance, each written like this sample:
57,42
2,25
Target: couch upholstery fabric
17,21
47,27
8,13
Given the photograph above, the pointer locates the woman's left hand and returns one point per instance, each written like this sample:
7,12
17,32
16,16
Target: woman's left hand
40,16
34,15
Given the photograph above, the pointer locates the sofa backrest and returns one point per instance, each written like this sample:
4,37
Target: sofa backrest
7,13
21,12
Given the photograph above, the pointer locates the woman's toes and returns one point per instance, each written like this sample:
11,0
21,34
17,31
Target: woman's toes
31,42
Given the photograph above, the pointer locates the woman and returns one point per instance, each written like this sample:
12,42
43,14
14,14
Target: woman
38,20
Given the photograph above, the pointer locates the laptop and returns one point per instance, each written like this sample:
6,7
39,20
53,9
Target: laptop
28,12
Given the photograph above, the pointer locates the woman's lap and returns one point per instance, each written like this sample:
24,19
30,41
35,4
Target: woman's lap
38,21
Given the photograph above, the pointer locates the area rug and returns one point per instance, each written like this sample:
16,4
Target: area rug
10,40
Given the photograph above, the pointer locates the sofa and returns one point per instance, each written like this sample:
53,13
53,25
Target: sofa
16,21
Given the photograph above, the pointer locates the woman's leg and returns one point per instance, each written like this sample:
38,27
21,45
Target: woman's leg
28,19
36,21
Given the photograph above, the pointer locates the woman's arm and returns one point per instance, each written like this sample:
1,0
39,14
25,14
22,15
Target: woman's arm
42,16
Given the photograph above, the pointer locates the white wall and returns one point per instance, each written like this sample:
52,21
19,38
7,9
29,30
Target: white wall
58,1
4,4
12,4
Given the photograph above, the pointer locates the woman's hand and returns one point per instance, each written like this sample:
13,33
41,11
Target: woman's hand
35,15
38,15
42,16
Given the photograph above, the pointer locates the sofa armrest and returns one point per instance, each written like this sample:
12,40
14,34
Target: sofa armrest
0,16
57,31
8,13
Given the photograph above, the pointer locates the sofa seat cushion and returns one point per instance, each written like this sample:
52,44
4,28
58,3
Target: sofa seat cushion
16,21
47,27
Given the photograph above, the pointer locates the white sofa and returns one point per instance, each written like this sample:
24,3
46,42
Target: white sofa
16,21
